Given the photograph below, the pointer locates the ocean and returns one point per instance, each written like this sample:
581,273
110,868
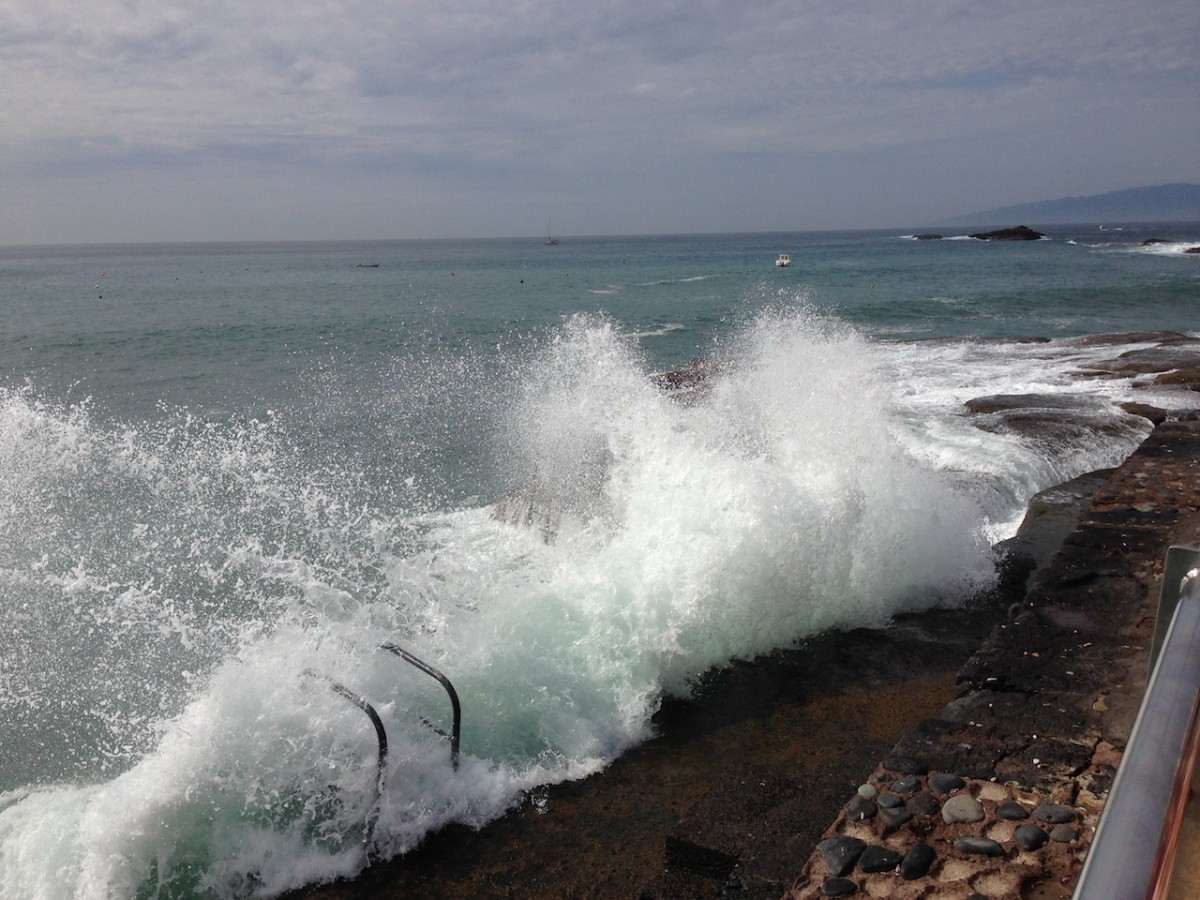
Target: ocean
231,473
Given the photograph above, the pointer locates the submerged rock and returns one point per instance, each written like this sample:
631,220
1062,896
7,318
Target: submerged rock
1000,403
690,384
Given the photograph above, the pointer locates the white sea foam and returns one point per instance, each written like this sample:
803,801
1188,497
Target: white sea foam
655,332
687,280
182,592
1169,248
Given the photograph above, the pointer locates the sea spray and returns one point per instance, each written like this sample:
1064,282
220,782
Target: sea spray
221,578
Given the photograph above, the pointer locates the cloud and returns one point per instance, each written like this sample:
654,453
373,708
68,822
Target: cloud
549,97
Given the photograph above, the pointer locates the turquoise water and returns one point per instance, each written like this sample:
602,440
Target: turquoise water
229,472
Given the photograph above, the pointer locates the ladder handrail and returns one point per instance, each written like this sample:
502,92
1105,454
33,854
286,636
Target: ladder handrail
456,728
381,760
381,733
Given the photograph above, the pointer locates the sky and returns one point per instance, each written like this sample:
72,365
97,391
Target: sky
162,120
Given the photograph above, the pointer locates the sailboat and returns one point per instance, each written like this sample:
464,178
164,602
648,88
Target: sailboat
550,238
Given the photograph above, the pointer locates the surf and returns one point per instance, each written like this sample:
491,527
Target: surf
182,593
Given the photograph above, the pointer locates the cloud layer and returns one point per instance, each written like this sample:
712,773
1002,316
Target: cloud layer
220,118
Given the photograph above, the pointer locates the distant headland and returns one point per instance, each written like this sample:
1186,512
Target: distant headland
1160,203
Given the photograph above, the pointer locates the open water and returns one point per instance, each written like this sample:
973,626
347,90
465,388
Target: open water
230,473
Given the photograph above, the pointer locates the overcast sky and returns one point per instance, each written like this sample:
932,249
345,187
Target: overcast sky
297,119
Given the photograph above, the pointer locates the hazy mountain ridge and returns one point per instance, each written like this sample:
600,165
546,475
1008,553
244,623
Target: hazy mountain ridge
1179,202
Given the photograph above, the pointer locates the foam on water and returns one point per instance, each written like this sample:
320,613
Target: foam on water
181,591
655,332
1168,248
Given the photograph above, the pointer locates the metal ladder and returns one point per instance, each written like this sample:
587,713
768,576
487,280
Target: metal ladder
368,709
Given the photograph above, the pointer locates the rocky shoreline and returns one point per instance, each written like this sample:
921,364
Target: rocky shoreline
999,795
1026,697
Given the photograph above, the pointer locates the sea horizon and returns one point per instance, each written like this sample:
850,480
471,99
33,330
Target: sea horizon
1108,224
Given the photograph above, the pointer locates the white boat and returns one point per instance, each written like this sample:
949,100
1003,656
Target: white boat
784,261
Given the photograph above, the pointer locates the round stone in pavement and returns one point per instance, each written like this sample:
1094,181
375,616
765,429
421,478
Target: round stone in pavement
917,862
979,845
909,784
892,816
888,800
922,804
868,790
962,808
1063,834
840,853
860,808
1054,813
945,783
1012,810
1031,837
838,887
879,859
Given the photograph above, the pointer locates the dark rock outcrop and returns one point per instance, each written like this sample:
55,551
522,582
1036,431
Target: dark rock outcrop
690,384
1050,422
1020,233
1172,352
996,403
